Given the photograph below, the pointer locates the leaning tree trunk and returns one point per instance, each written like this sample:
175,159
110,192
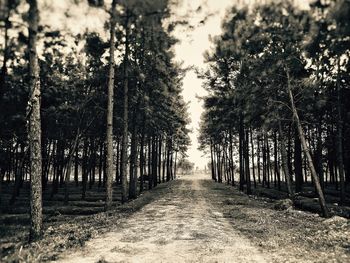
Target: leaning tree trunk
109,132
321,198
34,126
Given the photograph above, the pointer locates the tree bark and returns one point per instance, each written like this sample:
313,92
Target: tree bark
84,168
142,160
160,143
34,126
252,150
109,132
125,115
213,175
241,153
247,168
175,163
268,162
168,161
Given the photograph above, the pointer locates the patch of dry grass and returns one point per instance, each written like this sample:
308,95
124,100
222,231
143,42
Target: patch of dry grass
288,234
66,232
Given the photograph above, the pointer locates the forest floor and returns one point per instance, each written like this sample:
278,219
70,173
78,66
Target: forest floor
192,219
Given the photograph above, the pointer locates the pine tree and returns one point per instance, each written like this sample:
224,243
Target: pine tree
33,112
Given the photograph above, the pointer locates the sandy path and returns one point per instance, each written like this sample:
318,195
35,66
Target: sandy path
181,226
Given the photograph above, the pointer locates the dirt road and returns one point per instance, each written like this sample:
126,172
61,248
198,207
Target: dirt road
182,226
196,220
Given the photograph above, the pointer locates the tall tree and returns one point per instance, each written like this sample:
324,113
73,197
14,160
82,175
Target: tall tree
109,132
33,111
125,111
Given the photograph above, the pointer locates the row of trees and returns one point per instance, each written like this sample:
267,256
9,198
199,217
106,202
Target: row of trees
108,109
278,83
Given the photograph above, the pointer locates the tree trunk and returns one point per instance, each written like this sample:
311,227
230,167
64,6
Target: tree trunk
258,158
247,169
322,200
252,149
268,162
92,164
318,153
340,161
289,153
298,161
55,154
69,166
117,174
284,161
34,126
142,160
109,132
277,170
133,161
164,161
263,144
232,168
175,163
154,161
100,164
125,114
149,170
241,153
218,163
84,169
213,175
160,143
168,161
76,167
172,162
20,160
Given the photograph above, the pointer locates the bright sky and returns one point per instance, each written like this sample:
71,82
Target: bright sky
190,50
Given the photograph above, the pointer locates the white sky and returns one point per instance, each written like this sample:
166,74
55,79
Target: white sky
190,50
